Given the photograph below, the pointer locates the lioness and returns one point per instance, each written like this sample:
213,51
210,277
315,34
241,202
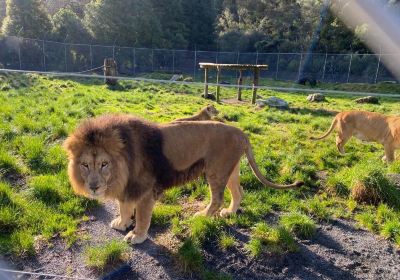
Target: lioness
205,114
133,161
366,126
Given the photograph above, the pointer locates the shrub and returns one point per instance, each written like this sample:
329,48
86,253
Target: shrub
374,187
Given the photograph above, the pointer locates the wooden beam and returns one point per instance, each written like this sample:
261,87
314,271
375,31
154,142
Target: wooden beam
240,82
218,81
255,84
206,83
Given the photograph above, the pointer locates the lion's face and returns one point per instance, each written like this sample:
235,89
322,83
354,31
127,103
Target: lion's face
212,111
95,169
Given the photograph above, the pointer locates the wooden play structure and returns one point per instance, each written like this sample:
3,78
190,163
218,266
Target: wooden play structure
255,68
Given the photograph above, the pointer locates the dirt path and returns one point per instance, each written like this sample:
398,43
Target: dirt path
338,251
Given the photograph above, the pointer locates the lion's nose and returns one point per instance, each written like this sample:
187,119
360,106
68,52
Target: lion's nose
94,186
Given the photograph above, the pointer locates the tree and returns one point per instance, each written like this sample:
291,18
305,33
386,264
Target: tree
171,17
69,27
200,18
129,23
2,10
27,18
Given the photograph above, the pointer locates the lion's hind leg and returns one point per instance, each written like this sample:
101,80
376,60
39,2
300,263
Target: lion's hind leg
342,137
236,191
126,209
389,153
217,187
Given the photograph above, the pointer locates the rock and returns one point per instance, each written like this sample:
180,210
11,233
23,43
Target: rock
368,99
176,78
273,102
316,97
209,96
307,80
188,79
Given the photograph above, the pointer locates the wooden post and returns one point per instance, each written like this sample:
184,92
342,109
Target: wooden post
205,82
240,82
218,81
255,84
110,70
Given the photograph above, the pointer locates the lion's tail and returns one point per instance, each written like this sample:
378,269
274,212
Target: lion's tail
333,125
260,176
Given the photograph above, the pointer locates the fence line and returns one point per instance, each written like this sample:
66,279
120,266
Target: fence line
41,55
200,84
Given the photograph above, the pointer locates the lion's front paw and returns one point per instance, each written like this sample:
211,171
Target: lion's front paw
118,224
134,238
225,212
200,213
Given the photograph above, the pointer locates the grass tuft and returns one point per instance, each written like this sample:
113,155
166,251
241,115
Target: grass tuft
299,224
163,214
108,254
226,241
273,240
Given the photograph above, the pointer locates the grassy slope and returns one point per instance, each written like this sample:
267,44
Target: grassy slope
36,201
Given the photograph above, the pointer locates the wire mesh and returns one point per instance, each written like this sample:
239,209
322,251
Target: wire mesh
39,55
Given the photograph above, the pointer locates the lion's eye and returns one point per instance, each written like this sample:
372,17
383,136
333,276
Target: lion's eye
104,164
84,164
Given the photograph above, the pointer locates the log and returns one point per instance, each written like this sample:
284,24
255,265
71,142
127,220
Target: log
240,82
110,70
255,84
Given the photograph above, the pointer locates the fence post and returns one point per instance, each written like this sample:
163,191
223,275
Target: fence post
44,56
377,69
173,62
257,58
152,60
323,70
134,61
194,68
348,71
114,52
277,67
91,57
301,60
65,57
19,55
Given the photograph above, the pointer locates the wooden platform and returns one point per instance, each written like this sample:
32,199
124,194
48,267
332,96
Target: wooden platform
255,68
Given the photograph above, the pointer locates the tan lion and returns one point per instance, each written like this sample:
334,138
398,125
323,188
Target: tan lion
366,126
133,161
206,114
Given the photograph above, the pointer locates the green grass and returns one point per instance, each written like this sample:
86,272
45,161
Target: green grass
226,241
163,214
38,113
299,224
276,240
108,254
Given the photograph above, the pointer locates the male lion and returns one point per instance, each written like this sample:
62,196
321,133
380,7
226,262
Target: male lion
366,126
133,161
205,114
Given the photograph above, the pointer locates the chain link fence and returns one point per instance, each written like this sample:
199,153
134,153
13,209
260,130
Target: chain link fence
40,55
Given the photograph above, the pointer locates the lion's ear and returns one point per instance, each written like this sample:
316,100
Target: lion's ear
113,141
72,145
